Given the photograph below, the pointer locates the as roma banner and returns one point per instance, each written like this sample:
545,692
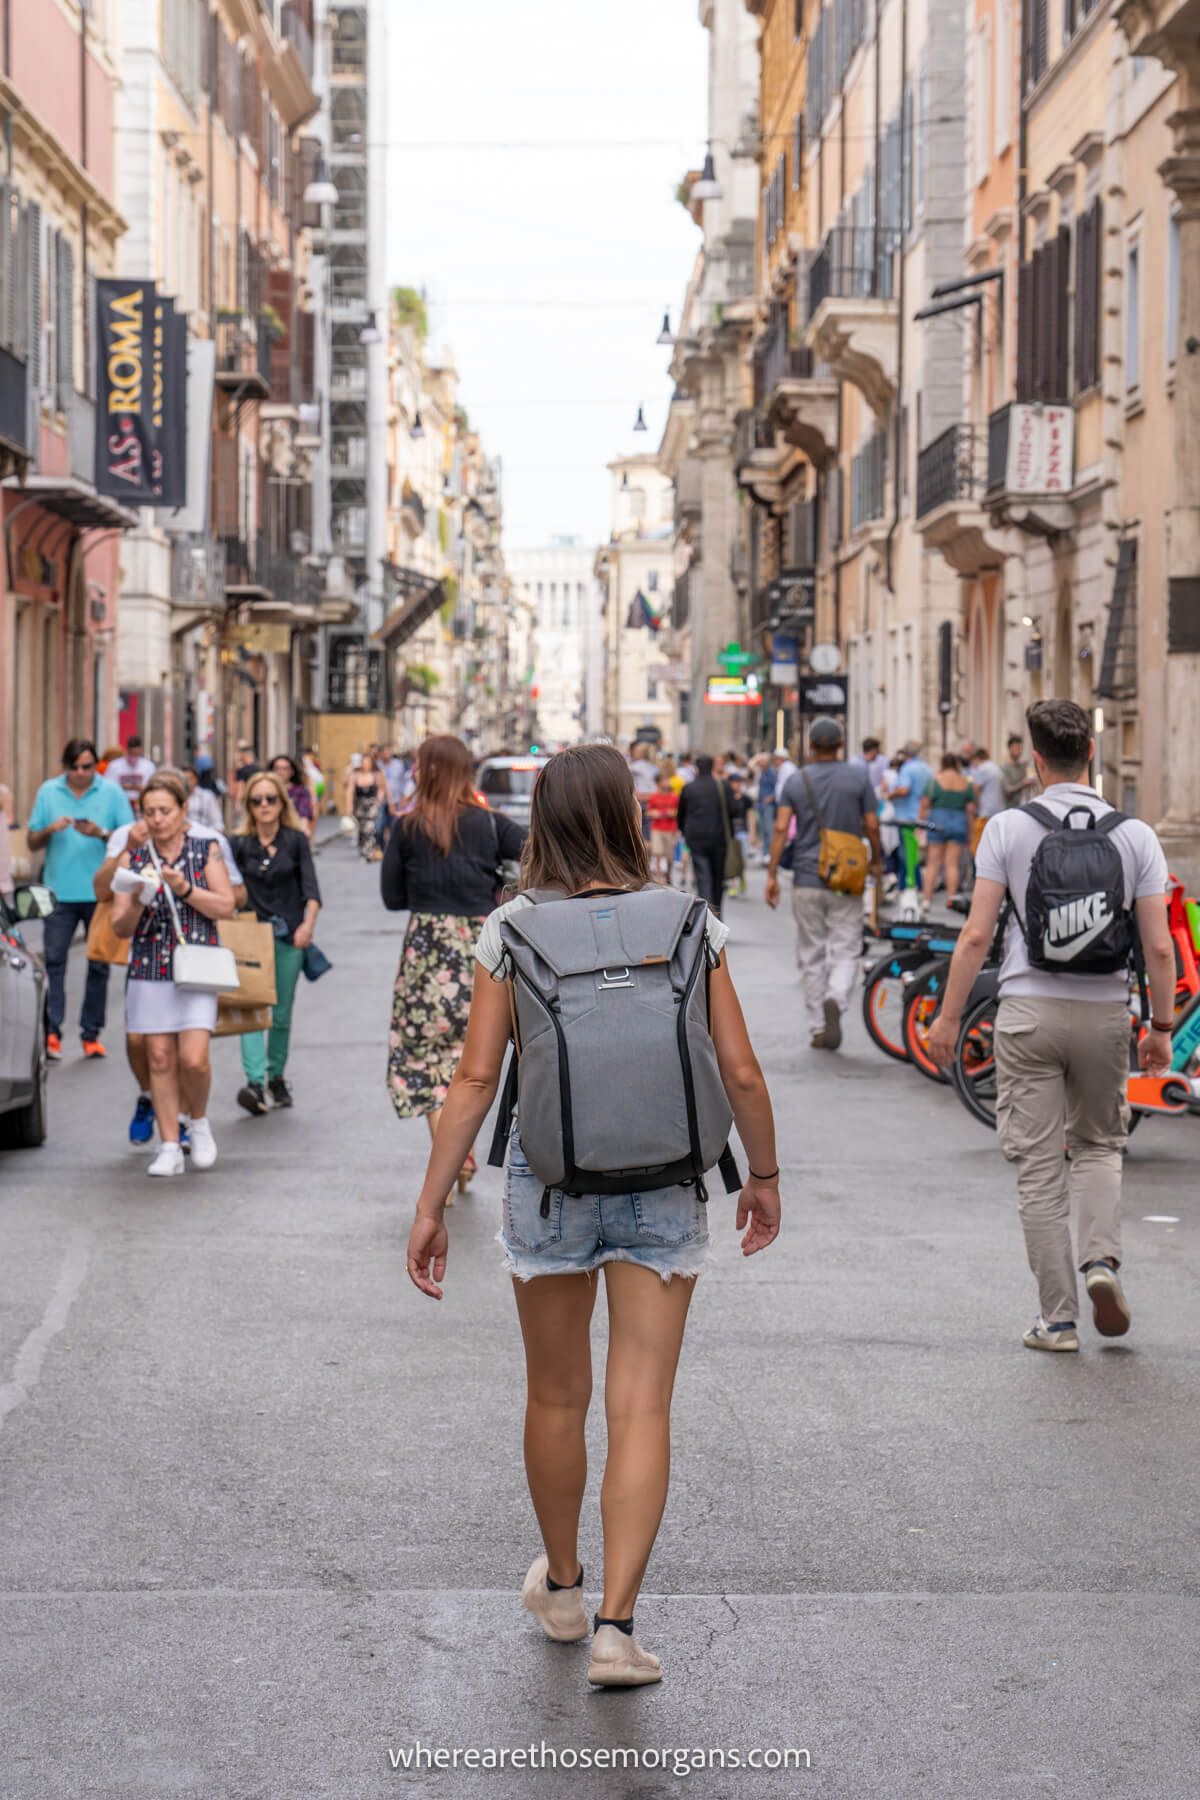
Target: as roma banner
141,384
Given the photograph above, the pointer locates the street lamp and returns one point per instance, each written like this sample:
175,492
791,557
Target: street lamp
416,429
639,424
370,333
708,187
320,190
666,336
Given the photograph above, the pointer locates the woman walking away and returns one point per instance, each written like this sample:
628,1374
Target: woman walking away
948,812
441,866
177,1024
366,793
585,846
281,881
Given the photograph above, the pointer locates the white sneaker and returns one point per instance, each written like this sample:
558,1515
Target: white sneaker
204,1144
620,1661
169,1161
561,1611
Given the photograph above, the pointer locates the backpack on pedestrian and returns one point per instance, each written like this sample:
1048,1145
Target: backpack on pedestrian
843,859
1076,920
614,1074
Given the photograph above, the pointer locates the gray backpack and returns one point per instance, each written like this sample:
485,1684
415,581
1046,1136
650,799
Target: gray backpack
614,1072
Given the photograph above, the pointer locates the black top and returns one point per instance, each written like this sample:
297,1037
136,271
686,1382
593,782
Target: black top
416,877
280,877
700,817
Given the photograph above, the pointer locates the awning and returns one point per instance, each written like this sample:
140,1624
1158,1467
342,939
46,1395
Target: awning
409,616
74,500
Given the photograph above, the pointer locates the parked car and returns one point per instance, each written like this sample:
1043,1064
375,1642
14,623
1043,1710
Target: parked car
506,783
22,1021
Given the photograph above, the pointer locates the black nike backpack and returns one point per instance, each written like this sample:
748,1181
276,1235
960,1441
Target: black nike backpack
1076,920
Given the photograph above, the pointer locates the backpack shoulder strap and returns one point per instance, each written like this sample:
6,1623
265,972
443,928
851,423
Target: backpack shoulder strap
1110,821
811,791
1041,815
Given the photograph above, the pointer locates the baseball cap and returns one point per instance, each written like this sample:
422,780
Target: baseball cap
203,764
826,734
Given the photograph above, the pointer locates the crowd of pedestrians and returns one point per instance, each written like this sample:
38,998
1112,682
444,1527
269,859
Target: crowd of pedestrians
624,870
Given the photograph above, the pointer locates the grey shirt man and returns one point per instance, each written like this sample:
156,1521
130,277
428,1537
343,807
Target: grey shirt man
989,786
845,797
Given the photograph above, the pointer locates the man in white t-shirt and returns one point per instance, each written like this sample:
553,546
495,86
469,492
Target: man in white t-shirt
132,771
1062,1040
141,1126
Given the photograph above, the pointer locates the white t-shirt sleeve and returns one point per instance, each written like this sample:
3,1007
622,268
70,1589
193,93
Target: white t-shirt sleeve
989,856
1152,872
489,947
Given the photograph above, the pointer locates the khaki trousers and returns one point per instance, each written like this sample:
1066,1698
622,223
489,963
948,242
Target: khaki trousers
1061,1069
829,930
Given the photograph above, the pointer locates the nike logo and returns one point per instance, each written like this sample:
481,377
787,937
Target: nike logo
1059,952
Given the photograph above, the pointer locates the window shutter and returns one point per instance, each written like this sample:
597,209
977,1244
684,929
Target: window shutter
1024,333
33,313
1062,312
66,321
8,271
279,295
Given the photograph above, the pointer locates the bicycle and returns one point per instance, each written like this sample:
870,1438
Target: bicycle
886,982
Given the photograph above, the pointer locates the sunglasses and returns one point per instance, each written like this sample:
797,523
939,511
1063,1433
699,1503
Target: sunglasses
264,799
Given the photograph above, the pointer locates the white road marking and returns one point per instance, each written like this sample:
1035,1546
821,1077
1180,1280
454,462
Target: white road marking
1159,1219
27,1368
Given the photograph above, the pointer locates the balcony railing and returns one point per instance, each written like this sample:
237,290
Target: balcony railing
14,405
997,449
948,469
751,433
297,34
256,563
244,352
778,360
856,262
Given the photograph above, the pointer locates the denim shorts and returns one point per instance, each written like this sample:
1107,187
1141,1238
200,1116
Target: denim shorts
666,1230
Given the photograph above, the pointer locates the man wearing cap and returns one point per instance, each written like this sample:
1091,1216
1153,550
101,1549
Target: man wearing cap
828,924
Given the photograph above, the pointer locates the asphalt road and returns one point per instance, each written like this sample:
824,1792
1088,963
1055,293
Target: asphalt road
262,1513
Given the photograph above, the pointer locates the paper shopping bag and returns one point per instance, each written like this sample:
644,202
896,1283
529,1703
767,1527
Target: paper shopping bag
253,944
235,1020
103,944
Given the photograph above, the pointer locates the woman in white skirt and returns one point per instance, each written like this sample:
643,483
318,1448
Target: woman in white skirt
177,1025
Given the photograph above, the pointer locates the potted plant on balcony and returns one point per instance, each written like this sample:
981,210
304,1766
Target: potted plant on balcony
270,320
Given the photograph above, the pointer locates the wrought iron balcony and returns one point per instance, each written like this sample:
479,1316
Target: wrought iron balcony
794,392
244,355
950,487
947,470
852,309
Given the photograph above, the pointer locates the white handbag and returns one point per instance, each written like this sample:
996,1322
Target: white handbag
198,968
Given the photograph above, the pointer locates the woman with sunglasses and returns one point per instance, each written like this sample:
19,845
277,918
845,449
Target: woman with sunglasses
281,881
176,1024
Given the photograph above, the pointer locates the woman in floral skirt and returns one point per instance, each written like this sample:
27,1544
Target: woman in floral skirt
442,867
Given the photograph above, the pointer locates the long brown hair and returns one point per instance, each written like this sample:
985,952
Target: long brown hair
445,778
585,823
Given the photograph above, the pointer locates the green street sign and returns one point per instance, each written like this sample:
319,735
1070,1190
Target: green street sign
733,658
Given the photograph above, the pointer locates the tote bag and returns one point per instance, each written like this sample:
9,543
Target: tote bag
103,944
253,944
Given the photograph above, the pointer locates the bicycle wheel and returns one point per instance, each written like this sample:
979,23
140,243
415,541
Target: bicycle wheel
883,1001
921,1004
973,1071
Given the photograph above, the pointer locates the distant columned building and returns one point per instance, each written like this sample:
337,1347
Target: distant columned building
558,581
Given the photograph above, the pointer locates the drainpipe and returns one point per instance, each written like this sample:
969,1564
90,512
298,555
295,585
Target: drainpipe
83,157
878,175
6,42
901,289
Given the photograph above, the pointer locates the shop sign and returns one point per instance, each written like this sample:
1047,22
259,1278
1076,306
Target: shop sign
785,660
1041,450
733,690
733,659
823,694
261,640
793,595
141,388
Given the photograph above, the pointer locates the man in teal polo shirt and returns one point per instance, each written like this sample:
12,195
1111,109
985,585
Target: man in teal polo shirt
73,816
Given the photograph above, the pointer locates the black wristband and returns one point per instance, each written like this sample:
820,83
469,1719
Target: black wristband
1156,1025
187,890
773,1176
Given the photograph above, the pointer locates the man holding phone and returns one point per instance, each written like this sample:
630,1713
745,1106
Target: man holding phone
72,818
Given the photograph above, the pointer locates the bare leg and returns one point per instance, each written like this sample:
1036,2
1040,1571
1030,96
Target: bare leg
137,1058
934,857
556,1316
953,869
161,1050
195,1072
646,1317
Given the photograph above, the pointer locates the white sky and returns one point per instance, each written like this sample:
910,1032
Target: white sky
495,234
